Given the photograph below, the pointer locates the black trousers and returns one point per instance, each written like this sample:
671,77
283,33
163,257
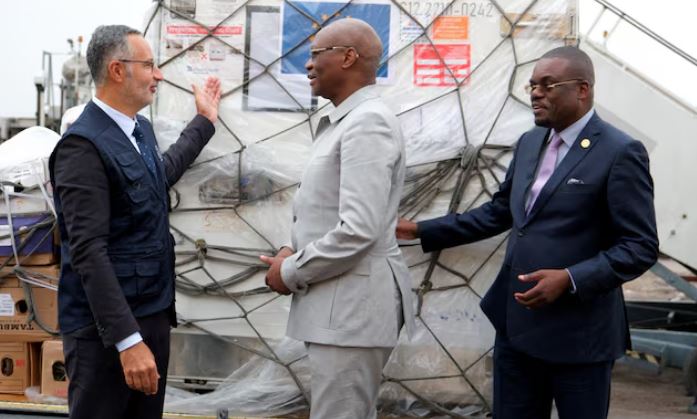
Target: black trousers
524,387
98,387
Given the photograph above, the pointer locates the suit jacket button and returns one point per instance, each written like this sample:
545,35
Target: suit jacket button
521,233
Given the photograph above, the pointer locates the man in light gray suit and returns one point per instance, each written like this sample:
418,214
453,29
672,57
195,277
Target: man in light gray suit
350,285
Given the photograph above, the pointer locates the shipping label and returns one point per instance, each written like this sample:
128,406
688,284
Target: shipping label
7,305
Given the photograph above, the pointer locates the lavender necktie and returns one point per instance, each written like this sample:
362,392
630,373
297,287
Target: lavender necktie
549,162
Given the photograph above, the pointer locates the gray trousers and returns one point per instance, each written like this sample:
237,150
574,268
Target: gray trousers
345,381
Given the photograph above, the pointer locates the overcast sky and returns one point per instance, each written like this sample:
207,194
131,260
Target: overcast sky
28,27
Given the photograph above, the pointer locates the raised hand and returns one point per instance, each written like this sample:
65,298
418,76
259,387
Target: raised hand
208,98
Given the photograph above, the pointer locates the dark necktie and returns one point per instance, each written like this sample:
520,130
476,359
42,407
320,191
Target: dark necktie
145,150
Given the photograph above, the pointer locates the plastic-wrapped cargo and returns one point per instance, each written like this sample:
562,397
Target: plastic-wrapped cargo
27,216
28,245
453,71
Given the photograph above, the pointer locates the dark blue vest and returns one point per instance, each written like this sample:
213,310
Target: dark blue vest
139,246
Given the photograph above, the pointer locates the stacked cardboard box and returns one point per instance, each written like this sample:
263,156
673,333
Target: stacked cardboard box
25,307
54,380
28,286
28,301
19,366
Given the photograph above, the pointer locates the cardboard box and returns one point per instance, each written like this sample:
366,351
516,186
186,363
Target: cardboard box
19,366
54,379
38,248
14,305
50,274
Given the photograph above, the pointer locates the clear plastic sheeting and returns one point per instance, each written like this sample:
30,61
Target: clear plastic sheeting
34,395
260,387
453,72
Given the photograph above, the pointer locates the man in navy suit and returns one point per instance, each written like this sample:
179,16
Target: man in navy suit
578,199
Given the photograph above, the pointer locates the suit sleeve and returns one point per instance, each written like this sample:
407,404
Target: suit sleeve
633,222
369,153
485,221
184,151
83,188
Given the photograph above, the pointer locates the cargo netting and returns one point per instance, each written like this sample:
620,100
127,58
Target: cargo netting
454,74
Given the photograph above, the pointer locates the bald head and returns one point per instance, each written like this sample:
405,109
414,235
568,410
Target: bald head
360,35
344,57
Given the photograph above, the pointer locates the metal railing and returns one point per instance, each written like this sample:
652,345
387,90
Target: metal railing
603,49
607,6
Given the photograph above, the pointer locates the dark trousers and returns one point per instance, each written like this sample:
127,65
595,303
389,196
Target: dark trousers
524,387
98,388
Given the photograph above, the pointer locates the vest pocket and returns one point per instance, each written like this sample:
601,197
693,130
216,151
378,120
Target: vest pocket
138,195
150,281
125,272
140,278
131,169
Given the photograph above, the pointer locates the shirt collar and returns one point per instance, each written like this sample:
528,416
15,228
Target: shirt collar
570,133
356,98
125,122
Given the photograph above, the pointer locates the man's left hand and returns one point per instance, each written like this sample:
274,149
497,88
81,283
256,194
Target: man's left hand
273,276
551,284
208,98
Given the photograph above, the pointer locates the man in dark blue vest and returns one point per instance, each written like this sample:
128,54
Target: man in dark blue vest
578,199
116,293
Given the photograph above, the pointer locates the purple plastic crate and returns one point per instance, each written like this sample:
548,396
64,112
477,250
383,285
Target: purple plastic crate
40,242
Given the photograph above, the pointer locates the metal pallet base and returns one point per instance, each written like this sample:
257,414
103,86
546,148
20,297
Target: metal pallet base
52,410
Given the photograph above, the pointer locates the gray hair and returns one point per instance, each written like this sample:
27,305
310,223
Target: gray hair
106,42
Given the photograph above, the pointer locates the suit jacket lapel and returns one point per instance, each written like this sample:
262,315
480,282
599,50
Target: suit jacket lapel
573,157
527,162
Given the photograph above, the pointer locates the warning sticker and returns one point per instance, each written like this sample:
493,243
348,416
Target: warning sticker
451,28
433,64
7,305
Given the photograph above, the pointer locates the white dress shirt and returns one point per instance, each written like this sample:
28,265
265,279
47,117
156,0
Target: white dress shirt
125,122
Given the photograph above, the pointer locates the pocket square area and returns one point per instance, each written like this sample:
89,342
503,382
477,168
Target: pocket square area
574,181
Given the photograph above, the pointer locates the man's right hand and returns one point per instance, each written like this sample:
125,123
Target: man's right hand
140,369
407,230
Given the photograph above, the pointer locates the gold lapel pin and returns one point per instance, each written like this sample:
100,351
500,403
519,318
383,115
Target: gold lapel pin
585,143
